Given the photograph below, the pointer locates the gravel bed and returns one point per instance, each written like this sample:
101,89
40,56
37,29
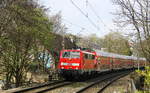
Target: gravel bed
122,85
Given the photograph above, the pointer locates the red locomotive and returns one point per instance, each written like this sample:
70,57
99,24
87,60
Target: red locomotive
77,63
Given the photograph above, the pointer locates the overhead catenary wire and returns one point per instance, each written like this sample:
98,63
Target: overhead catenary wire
96,14
86,7
85,15
96,46
76,25
73,24
82,28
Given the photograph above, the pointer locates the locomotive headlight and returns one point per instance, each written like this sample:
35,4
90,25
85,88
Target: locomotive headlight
75,64
76,67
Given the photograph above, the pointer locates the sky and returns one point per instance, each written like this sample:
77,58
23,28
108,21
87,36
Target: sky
76,22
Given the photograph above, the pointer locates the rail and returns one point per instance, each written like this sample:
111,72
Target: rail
133,88
39,86
113,78
55,87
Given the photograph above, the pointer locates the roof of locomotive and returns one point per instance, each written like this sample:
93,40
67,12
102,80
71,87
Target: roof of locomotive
84,51
113,55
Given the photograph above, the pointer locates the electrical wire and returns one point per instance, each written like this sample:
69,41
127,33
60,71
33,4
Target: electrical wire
96,14
76,25
85,15
73,24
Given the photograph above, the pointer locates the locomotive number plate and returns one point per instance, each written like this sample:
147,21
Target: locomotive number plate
69,64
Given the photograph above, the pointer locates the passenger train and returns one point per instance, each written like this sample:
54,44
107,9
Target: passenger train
74,64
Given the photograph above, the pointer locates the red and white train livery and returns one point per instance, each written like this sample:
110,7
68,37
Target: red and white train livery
79,63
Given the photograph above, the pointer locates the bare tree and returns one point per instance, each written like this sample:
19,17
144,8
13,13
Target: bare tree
92,41
58,27
137,14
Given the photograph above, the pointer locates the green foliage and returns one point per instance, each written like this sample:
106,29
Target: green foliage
24,31
34,21
92,41
115,42
142,92
146,74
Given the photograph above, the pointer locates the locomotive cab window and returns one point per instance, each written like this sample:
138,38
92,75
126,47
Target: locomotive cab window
86,56
69,54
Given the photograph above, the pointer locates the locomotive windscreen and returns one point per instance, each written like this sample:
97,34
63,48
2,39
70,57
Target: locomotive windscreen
70,54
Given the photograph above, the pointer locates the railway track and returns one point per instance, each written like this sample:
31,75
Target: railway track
105,81
110,82
44,87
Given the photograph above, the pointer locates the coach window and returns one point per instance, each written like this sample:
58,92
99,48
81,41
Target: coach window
111,61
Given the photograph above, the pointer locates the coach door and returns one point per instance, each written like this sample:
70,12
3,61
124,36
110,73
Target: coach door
111,63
